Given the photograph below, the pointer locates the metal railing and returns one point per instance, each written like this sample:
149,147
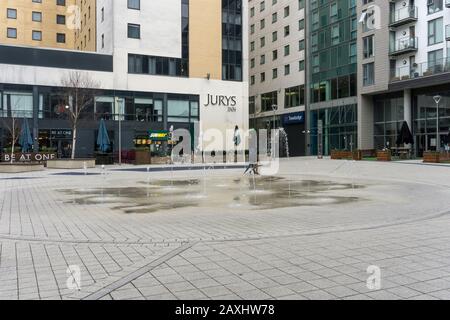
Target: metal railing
418,70
404,44
403,14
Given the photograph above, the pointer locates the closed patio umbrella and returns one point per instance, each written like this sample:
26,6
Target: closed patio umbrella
25,139
103,141
405,136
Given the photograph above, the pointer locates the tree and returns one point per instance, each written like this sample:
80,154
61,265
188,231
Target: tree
14,131
79,93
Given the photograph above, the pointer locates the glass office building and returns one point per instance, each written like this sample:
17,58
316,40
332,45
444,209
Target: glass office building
332,73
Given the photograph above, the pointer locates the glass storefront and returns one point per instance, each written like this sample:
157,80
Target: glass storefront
388,119
339,128
425,121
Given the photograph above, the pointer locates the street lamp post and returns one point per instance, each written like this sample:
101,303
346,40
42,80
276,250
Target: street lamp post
274,108
437,99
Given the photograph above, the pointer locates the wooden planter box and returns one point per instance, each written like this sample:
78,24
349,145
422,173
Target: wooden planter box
435,157
142,157
384,156
338,154
357,155
160,160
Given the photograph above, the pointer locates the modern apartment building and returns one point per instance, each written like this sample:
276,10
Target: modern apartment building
160,65
37,23
404,65
277,68
332,75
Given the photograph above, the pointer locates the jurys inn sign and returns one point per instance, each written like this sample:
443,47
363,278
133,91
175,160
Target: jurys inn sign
228,102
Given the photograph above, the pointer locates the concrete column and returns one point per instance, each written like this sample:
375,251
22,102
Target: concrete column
36,118
407,105
365,122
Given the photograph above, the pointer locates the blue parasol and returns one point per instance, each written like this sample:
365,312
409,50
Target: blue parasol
103,141
25,139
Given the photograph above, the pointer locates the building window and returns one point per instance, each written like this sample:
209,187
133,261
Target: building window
268,100
301,45
286,50
274,55
36,16
232,40
435,31
61,2
262,59
274,36
287,69
61,38
11,13
335,34
301,65
134,31
287,31
61,19
286,11
301,24
368,74
368,47
11,33
263,76
435,60
294,96
434,6
274,17
36,35
274,73
134,4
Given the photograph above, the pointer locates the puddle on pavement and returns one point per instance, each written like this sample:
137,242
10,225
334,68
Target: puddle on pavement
243,193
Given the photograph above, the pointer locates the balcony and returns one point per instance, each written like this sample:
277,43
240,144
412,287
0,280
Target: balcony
418,70
403,45
447,32
403,16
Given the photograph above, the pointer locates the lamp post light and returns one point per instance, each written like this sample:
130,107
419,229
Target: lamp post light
274,108
437,99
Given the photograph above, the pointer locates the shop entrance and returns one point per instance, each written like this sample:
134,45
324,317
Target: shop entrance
58,141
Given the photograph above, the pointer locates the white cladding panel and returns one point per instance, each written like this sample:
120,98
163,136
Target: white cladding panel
160,23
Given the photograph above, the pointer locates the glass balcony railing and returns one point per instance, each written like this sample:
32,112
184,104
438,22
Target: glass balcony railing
418,70
403,45
403,15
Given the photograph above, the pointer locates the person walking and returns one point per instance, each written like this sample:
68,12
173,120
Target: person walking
236,142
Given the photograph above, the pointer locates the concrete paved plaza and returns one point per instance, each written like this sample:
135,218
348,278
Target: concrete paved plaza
310,232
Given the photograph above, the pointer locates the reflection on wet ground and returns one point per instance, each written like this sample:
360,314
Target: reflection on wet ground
244,193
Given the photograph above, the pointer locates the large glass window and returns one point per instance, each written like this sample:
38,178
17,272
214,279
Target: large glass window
434,6
294,96
368,74
232,40
268,100
435,31
368,46
17,105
